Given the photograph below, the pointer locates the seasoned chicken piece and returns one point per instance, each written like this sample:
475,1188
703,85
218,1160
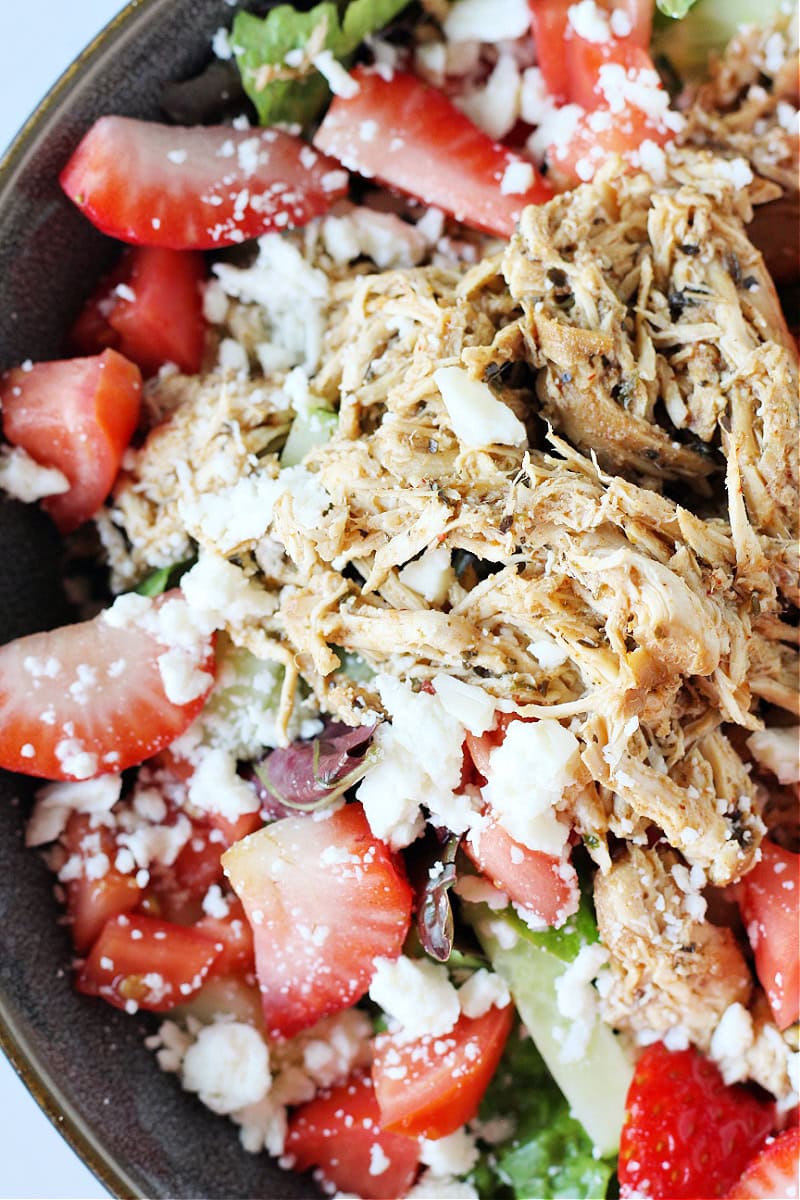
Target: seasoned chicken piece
670,969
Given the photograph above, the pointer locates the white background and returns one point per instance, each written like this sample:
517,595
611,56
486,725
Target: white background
38,40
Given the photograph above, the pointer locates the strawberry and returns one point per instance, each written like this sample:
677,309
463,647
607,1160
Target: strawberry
196,188
774,1172
89,698
686,1133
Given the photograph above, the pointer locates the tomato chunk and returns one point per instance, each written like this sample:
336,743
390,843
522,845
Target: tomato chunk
196,188
770,904
150,308
339,1133
77,415
317,932
141,961
433,1085
428,149
89,698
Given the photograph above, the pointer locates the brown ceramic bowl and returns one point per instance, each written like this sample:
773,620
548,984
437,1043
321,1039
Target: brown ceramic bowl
86,1063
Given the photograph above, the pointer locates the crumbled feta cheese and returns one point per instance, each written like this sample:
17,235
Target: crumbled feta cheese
482,991
379,1161
731,1041
431,575
385,238
737,170
217,591
55,802
486,20
495,107
478,418
779,751
417,993
340,81
469,704
577,1000
589,21
216,787
549,655
528,773
183,680
227,1066
430,1186
27,480
517,178
221,44
455,1154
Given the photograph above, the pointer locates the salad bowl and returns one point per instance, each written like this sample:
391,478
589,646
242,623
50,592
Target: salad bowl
87,1065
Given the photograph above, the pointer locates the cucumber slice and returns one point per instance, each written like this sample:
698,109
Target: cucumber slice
314,428
595,1087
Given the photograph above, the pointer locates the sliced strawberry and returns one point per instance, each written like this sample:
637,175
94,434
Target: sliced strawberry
233,937
433,1085
89,698
770,903
339,1133
317,929
540,883
569,62
774,1172
92,901
150,308
141,962
686,1134
77,415
196,188
411,137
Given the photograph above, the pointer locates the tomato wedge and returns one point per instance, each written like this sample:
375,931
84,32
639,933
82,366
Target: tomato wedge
339,1133
411,137
431,1086
317,931
770,904
150,308
77,415
85,699
141,962
196,188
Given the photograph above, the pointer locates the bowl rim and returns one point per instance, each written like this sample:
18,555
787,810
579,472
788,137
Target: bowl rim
13,1040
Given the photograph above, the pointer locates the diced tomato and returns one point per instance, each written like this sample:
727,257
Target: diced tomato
196,188
150,308
233,934
318,930
87,699
77,415
775,1171
770,903
339,1133
143,961
540,883
686,1134
424,146
431,1086
90,901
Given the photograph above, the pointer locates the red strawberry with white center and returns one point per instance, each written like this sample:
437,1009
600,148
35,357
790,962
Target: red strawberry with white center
324,898
774,1172
197,188
98,696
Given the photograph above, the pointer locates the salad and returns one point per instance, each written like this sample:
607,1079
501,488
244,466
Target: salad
431,765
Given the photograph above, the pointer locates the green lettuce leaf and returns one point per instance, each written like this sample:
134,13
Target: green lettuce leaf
261,42
549,1155
674,8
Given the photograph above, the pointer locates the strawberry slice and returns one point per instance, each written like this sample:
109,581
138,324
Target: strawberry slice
196,188
84,699
411,137
686,1133
770,903
78,415
324,898
339,1133
774,1172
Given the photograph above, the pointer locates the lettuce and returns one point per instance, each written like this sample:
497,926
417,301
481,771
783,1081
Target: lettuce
675,8
261,42
549,1155
706,26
